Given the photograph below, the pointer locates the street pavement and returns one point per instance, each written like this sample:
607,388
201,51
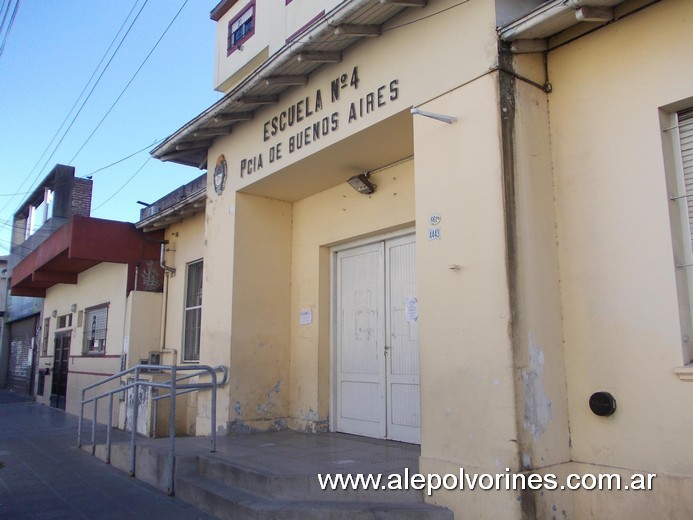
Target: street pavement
43,475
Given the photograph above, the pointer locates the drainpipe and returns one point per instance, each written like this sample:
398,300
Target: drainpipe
166,268
168,271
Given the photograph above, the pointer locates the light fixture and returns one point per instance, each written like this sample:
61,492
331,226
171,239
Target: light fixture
319,57
362,184
296,79
358,31
594,14
405,3
54,314
438,117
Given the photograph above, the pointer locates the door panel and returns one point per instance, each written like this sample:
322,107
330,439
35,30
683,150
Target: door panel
61,358
361,370
404,418
377,350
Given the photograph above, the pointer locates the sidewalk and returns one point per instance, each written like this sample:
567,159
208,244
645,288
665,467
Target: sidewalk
44,476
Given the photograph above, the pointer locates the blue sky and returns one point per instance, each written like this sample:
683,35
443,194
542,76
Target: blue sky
50,54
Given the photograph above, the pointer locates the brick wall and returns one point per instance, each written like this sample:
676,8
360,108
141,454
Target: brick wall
81,197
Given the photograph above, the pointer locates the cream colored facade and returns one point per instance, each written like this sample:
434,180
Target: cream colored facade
545,257
185,245
103,284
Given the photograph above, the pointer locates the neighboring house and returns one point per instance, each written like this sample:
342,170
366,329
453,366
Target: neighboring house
510,285
58,197
101,282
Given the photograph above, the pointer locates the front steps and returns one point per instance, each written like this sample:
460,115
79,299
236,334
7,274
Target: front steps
231,491
232,485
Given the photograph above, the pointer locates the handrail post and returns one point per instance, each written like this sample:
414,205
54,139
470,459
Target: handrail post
155,392
93,427
79,423
133,426
172,432
214,410
110,426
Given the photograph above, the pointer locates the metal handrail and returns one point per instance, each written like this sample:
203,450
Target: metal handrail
174,389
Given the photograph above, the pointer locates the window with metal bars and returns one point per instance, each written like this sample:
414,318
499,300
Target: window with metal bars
684,120
241,27
193,312
95,329
679,138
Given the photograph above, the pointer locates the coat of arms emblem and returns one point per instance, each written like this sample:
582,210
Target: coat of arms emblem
220,175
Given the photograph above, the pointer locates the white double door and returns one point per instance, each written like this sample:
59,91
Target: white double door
376,390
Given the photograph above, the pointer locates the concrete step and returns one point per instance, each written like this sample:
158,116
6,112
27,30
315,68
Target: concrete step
287,487
227,502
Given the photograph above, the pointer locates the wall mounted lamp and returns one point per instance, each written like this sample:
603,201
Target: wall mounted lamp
438,117
362,184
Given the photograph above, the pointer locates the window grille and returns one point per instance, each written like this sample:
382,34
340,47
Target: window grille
241,28
193,312
95,329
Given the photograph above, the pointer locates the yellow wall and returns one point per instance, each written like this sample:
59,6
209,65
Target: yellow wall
396,55
260,321
239,314
553,277
104,283
342,215
619,299
467,393
185,245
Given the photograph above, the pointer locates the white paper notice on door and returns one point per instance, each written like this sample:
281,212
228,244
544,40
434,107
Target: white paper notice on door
412,309
306,317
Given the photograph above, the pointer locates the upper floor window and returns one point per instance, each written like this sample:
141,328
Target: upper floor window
241,27
679,135
39,213
95,328
193,312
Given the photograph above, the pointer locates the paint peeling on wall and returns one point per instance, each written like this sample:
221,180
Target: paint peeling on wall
267,407
309,422
537,403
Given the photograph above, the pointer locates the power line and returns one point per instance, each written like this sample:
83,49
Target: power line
175,17
9,27
123,186
124,158
131,80
5,9
156,141
80,96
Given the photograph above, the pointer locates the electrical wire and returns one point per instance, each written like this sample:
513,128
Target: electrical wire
9,26
123,159
5,9
8,223
38,175
131,80
123,186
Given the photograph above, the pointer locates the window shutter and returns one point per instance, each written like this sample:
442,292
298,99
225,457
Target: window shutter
685,124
